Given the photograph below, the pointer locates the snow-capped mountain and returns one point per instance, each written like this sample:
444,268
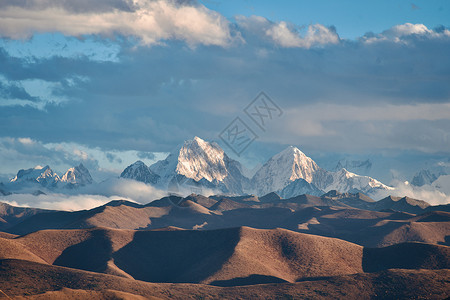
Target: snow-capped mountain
355,166
42,175
284,168
424,177
345,181
46,177
282,173
198,161
299,187
428,176
78,175
141,172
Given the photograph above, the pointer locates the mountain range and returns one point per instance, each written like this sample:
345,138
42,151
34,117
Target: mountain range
198,164
46,177
293,230
202,167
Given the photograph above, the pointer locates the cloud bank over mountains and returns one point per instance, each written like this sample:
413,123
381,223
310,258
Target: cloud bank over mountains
142,75
198,166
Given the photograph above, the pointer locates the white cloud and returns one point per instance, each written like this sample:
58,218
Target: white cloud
430,194
151,21
316,35
442,184
125,188
286,34
87,197
25,141
408,29
400,33
57,201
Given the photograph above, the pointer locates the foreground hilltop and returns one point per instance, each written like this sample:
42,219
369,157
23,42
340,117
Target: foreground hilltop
102,262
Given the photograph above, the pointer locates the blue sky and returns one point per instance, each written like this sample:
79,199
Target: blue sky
352,18
112,81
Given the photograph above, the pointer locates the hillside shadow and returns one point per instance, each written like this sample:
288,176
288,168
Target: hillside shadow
446,242
405,256
176,256
90,255
249,280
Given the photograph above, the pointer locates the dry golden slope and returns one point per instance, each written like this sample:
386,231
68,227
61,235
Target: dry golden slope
19,278
289,256
223,257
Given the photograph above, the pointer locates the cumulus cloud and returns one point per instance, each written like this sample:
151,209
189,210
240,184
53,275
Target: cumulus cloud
58,201
428,193
403,32
316,35
150,21
86,197
284,34
125,188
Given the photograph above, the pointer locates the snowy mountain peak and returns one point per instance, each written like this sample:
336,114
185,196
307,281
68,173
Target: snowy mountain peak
345,173
201,161
283,168
140,172
424,177
77,175
198,159
43,175
138,164
345,181
200,142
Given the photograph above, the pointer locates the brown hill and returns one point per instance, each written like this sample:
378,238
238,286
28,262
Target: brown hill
270,197
192,256
223,257
308,214
21,278
406,256
11,249
249,199
356,200
404,204
89,249
202,200
371,228
116,214
66,293
395,232
12,215
225,204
